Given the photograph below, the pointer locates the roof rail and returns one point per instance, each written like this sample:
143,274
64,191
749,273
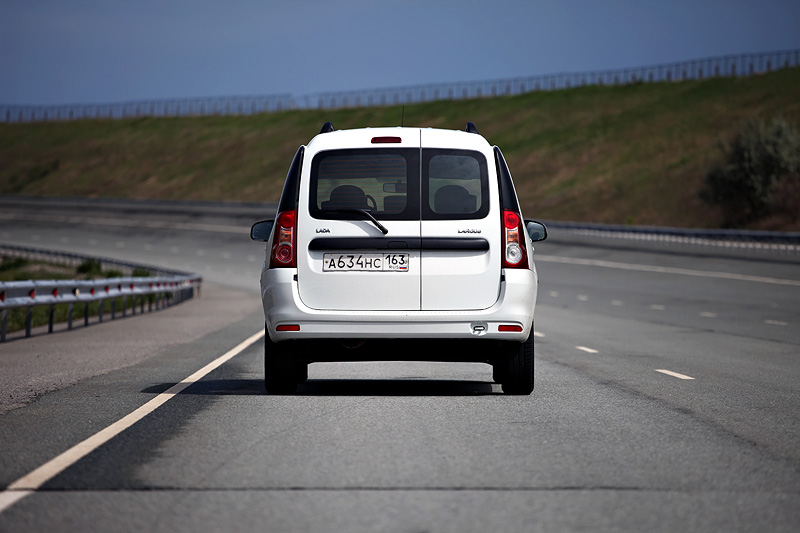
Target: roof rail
471,128
327,127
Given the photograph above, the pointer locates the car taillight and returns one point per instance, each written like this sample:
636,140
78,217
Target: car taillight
283,249
515,255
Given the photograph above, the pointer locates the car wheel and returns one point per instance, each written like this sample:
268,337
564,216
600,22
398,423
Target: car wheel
301,372
517,377
498,371
280,372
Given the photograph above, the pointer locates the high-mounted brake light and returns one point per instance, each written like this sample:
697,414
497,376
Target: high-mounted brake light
283,249
379,140
515,255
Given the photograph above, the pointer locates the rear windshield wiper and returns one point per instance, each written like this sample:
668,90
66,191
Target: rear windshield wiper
365,213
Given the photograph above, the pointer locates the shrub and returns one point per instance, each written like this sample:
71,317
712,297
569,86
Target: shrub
13,263
90,267
760,174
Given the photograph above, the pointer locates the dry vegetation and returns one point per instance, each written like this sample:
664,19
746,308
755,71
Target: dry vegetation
633,154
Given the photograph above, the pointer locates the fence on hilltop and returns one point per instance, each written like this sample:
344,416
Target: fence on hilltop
741,65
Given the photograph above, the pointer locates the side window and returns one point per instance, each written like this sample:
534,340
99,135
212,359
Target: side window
375,180
455,184
291,186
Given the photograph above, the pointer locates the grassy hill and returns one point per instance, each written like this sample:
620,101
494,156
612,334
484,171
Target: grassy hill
632,154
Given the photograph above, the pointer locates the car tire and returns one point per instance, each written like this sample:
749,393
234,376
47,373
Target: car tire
498,371
517,377
280,372
301,373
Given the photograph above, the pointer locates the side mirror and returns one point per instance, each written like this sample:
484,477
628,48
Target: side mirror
261,230
536,230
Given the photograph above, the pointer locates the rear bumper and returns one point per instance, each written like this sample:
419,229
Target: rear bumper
283,307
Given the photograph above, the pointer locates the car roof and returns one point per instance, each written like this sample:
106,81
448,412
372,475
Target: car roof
409,137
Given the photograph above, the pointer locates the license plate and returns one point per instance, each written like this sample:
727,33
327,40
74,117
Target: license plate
397,262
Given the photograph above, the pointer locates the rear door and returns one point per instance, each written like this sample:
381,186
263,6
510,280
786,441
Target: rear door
460,225
345,261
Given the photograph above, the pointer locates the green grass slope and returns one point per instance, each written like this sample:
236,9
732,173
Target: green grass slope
632,154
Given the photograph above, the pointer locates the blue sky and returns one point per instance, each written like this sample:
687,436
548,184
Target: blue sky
96,51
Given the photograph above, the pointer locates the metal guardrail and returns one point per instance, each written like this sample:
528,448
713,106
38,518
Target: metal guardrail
73,259
167,289
696,69
744,241
30,294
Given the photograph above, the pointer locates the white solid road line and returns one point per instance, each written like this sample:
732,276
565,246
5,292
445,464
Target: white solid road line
665,270
35,479
585,349
674,374
10,497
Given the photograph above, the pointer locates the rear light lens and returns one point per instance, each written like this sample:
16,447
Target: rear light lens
516,255
283,249
288,327
509,328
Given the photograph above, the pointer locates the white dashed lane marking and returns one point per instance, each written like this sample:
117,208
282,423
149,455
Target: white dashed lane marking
708,314
554,294
617,303
538,334
674,374
657,307
776,323
585,349
583,298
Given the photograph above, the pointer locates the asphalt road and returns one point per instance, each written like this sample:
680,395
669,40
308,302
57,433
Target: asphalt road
666,399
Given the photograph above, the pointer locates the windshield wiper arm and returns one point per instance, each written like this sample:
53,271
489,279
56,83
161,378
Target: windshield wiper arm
363,212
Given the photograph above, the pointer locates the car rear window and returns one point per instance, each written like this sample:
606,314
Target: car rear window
379,180
455,184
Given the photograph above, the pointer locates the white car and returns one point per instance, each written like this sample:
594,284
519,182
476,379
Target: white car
395,244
